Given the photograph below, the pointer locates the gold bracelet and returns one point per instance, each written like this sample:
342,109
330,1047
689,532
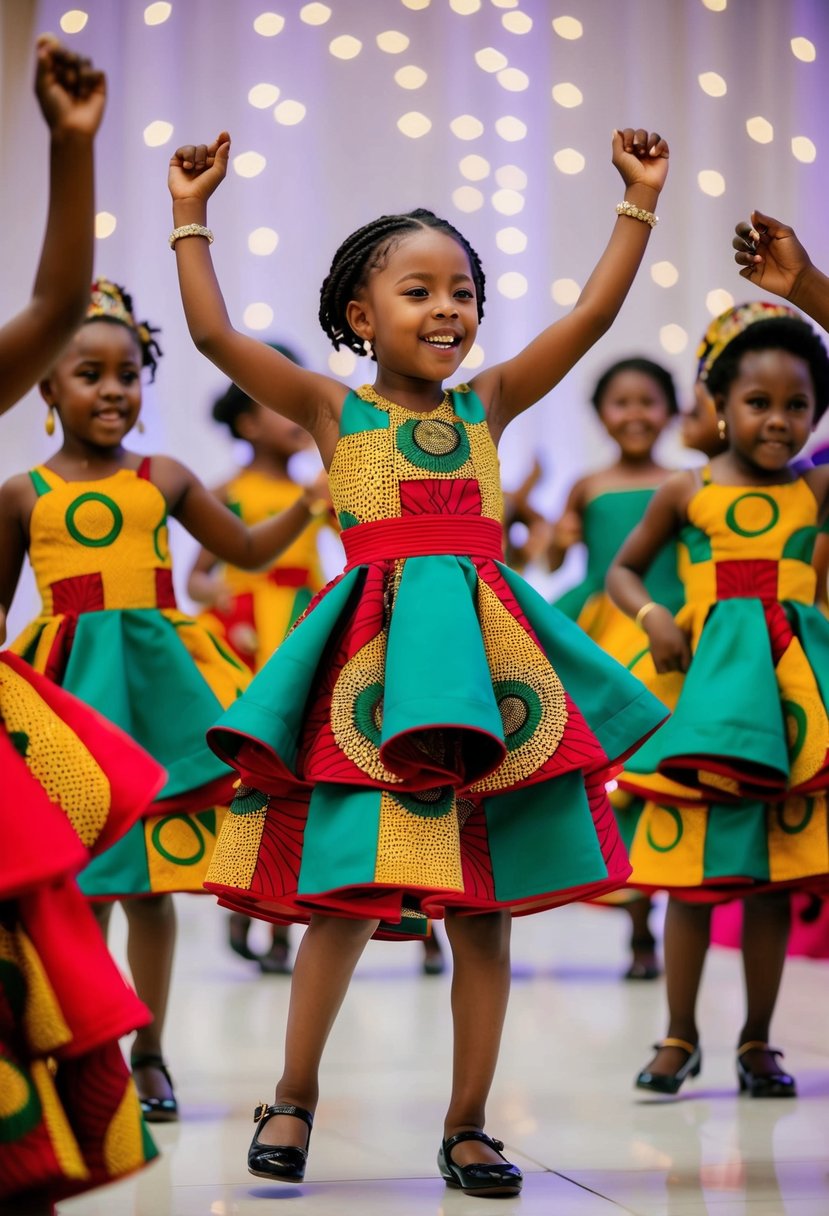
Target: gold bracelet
317,507
190,230
637,213
643,612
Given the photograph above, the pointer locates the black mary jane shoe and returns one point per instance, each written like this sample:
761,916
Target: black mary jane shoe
777,1084
281,1162
155,1110
671,1082
481,1178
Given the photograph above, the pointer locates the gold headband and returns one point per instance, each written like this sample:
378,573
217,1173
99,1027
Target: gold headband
107,301
730,324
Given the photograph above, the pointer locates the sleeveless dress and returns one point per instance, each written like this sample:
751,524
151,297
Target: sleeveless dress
110,633
607,521
72,784
265,602
431,735
736,780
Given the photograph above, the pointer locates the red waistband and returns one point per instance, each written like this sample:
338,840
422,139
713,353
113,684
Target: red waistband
421,536
289,576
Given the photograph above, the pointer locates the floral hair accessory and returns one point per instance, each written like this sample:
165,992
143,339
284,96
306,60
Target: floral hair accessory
729,325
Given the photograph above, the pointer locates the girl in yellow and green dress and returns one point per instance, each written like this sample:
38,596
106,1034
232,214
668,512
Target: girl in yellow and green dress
635,399
93,520
736,782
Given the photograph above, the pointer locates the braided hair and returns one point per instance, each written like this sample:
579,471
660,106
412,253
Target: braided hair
366,250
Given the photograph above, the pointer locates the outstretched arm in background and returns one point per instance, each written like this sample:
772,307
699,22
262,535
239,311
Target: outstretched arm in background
507,389
773,258
71,94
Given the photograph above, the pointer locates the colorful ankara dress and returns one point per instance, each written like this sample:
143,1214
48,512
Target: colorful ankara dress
431,734
109,631
736,780
72,784
265,602
607,521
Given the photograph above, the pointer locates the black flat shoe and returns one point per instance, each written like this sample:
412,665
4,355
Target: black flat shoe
671,1082
155,1110
486,1178
777,1084
283,1162
641,968
238,926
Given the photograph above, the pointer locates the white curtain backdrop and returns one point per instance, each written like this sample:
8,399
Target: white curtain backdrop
516,160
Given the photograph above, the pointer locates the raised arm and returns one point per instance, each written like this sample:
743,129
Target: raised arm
661,522
511,387
71,94
265,375
773,258
15,506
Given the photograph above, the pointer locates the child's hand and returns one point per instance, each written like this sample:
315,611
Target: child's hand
197,169
771,255
641,157
317,492
567,531
70,90
670,650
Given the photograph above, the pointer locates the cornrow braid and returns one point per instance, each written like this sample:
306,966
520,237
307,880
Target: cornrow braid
365,250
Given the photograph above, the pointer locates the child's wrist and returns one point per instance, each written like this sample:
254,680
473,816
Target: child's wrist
641,195
189,211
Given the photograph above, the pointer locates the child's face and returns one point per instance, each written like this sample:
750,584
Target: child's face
769,408
419,309
270,432
634,411
699,424
96,384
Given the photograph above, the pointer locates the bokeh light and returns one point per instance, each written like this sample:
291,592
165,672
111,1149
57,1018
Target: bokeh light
491,60
508,202
664,274
804,50
342,362
565,292
513,80
268,25
475,357
511,129
718,300
511,177
760,129
157,14
414,124
465,126
157,133
567,95
467,198
716,6
711,182
512,284
392,42
105,225
465,7
410,77
73,21
416,5
568,160
713,84
263,241
803,149
511,240
569,28
315,14
517,22
263,95
288,113
345,47
249,164
673,339
258,316
474,168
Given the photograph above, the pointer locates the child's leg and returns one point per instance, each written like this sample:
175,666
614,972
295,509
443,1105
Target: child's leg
325,961
643,964
151,940
687,936
766,924
480,991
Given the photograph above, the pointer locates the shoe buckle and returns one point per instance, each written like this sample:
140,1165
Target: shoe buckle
260,1112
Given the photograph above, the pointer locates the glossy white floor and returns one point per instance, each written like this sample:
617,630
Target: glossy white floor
562,1101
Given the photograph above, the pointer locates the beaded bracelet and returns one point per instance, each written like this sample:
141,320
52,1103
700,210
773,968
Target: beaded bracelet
637,213
190,230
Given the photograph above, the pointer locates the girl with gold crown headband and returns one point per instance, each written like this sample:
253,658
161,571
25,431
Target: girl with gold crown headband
72,784
93,520
733,790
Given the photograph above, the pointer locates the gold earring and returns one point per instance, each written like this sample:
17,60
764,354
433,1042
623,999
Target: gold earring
49,424
139,426
721,428
368,346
